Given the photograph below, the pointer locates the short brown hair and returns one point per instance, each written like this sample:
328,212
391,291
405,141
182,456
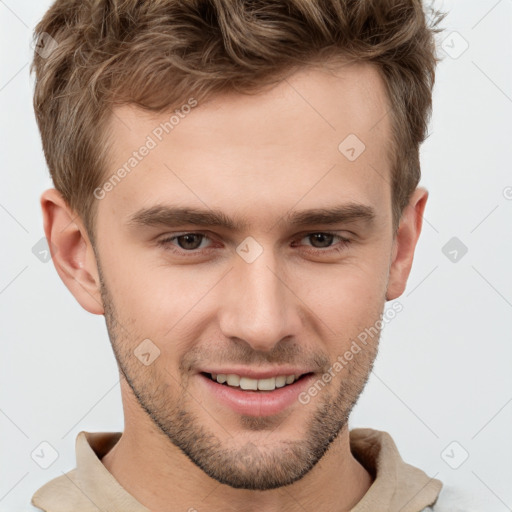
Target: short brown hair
156,53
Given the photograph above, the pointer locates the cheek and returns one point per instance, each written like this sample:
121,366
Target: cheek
169,302
346,298
169,305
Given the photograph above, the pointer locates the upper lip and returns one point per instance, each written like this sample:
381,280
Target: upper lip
255,373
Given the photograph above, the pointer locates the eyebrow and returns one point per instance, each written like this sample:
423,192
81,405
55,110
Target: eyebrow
169,216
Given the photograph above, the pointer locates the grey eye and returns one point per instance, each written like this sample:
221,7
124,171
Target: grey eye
190,241
323,239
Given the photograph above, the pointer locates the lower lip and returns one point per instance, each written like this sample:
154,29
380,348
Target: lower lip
257,403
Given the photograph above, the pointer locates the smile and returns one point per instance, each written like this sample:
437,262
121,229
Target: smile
249,384
250,396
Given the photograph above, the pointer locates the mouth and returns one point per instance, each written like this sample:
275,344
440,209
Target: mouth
260,397
250,384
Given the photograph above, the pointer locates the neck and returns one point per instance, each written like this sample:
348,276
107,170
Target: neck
163,479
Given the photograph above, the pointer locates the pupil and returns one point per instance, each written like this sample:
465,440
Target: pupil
188,243
322,238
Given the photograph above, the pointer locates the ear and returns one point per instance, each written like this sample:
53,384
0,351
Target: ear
404,243
71,250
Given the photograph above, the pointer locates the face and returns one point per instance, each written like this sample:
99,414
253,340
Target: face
245,245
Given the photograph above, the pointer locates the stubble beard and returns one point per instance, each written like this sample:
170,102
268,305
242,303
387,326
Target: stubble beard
250,466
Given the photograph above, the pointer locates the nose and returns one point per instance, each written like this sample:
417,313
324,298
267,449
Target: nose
257,304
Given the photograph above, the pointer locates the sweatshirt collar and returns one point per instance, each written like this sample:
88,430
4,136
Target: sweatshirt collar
397,486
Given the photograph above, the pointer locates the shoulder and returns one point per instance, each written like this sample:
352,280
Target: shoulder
61,492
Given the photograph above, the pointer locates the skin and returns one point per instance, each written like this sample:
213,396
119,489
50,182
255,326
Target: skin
255,158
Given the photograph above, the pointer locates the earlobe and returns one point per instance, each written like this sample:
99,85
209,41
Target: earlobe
72,251
405,242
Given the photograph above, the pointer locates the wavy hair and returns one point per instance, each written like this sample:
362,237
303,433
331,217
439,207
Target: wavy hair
156,53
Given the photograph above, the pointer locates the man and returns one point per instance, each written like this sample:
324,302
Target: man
236,190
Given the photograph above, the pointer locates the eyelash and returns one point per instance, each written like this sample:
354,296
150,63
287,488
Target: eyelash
166,243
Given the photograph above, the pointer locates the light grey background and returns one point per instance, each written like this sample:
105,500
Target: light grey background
443,373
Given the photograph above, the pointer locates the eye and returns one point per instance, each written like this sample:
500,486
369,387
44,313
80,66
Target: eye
322,239
194,243
325,241
187,242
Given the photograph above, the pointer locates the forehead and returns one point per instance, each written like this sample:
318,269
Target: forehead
318,136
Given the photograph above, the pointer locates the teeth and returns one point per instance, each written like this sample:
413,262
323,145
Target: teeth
233,380
247,383
267,384
280,381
